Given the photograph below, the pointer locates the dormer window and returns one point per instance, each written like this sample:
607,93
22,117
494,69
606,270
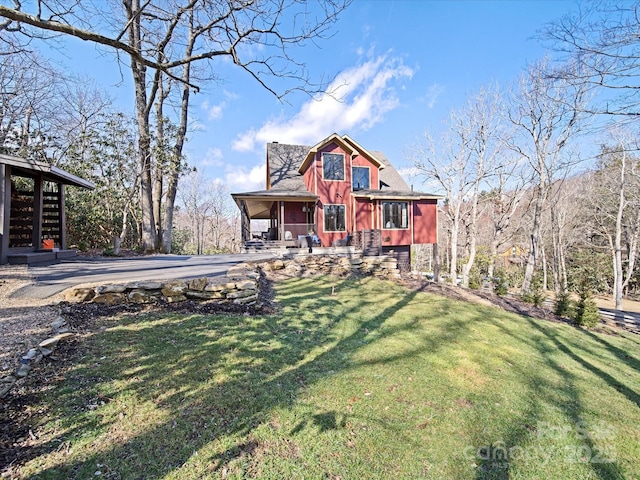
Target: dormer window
333,166
360,178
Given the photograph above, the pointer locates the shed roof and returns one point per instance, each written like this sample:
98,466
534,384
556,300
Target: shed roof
49,172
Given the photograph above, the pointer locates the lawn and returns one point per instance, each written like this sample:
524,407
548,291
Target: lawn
352,379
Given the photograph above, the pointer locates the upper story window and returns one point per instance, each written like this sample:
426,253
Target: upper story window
395,214
333,166
360,178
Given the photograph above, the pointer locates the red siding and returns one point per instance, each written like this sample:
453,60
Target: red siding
335,192
293,213
364,217
425,217
396,237
359,213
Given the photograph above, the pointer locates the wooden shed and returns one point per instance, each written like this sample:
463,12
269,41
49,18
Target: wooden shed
32,210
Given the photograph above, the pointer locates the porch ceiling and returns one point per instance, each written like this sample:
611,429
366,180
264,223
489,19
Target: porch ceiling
259,204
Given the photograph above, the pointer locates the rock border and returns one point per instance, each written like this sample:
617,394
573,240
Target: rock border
35,355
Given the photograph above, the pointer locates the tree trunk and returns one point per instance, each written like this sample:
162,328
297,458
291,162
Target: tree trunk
535,235
453,261
158,188
147,224
175,162
543,256
472,234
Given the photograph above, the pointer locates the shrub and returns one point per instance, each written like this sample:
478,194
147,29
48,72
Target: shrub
564,305
109,252
535,295
586,312
474,279
500,283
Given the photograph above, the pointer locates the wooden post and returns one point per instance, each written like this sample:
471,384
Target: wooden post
37,213
244,221
5,208
62,217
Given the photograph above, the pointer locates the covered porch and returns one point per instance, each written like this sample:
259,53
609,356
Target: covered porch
287,218
32,210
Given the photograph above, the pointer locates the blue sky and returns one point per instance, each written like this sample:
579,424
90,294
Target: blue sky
400,67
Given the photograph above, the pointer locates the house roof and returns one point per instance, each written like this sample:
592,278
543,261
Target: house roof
395,195
363,151
310,154
49,172
346,142
285,164
389,176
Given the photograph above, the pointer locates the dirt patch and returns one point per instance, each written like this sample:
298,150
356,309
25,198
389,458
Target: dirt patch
507,303
23,323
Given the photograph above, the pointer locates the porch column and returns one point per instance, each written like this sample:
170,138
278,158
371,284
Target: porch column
281,219
244,222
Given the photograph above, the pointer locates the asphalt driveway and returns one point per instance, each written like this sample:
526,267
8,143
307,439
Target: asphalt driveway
51,279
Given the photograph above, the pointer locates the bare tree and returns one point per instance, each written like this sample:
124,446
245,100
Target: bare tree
616,208
546,114
501,204
30,100
196,200
601,47
468,157
168,36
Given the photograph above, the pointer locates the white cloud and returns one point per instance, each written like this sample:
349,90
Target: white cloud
212,158
240,180
230,95
357,99
434,91
214,112
409,172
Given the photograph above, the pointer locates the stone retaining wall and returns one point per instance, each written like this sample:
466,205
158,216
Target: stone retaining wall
240,287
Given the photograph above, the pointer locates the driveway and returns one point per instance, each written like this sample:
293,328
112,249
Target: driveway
51,279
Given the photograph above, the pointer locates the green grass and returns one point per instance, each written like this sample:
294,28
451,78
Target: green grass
372,382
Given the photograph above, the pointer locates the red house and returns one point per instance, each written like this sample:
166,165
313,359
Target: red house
339,193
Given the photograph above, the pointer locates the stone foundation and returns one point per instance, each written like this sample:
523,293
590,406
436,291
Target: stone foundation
311,265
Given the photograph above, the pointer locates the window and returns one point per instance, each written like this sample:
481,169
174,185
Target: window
334,218
333,166
360,178
395,215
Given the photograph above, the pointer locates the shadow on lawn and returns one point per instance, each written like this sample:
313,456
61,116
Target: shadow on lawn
218,378
495,457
